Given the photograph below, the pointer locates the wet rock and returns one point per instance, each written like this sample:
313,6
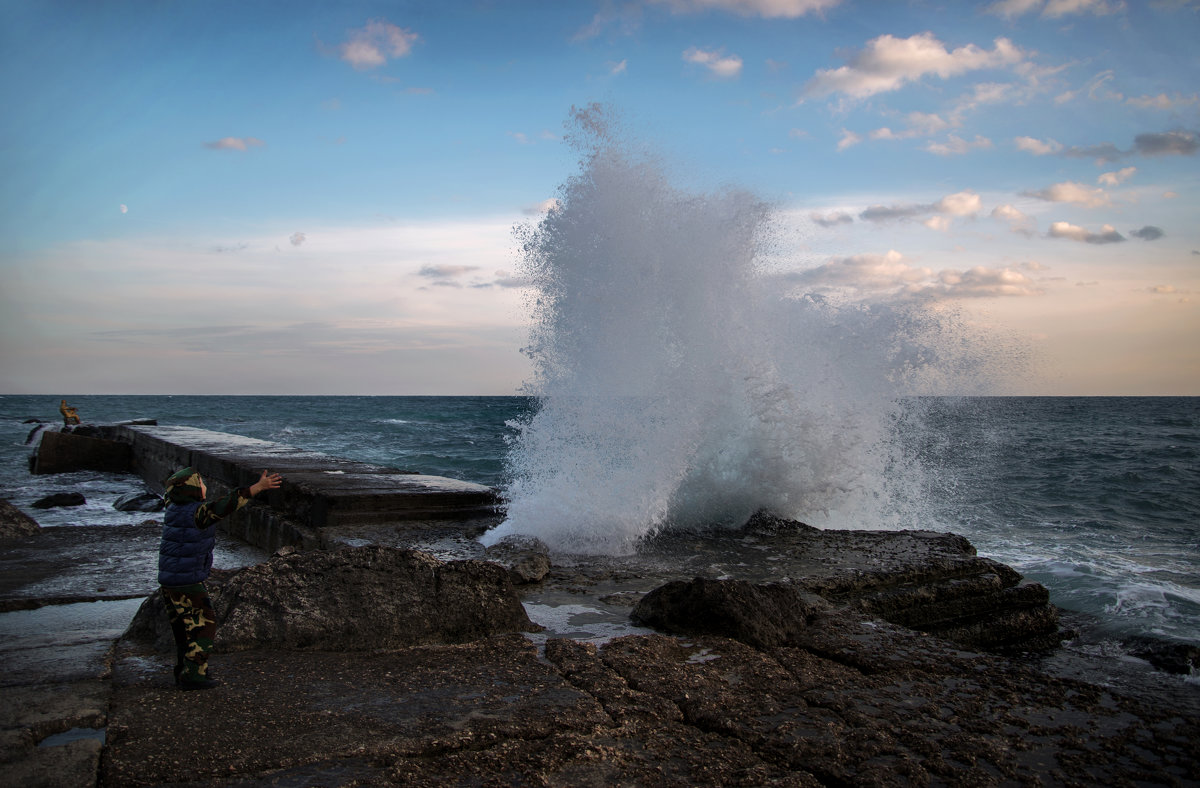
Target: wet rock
15,524
60,499
526,558
763,616
353,599
1171,656
140,502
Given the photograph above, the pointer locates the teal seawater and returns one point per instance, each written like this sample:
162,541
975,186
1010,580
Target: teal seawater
1098,498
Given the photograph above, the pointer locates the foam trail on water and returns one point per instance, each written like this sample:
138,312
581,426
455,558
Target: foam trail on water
680,383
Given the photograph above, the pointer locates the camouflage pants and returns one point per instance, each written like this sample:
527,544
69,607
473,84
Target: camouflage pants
194,624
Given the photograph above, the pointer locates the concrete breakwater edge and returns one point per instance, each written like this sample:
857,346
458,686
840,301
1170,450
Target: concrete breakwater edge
367,639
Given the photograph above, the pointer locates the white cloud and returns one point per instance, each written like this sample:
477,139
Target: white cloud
371,46
890,275
770,9
1053,9
1013,8
1116,178
888,63
1071,192
917,124
1107,235
1017,221
1037,147
716,62
849,139
957,146
297,238
832,219
965,203
1057,8
235,143
864,272
124,208
1162,101
617,68
980,282
538,208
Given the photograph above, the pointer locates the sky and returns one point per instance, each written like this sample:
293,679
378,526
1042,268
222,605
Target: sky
320,198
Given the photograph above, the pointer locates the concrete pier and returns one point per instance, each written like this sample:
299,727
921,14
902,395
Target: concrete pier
320,495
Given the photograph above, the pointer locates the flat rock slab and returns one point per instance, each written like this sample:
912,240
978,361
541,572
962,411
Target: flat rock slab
318,490
862,702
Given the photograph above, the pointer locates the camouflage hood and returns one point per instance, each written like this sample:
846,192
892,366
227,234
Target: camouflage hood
183,486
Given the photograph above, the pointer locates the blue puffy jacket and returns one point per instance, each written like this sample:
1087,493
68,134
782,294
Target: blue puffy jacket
185,554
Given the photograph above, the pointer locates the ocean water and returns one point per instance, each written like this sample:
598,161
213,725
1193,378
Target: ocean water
1097,498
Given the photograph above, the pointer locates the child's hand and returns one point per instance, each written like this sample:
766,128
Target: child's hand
266,482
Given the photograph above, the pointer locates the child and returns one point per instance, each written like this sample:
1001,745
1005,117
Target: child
184,559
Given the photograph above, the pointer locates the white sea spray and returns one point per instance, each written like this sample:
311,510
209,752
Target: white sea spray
683,381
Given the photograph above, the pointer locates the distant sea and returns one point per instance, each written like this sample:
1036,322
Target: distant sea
1097,498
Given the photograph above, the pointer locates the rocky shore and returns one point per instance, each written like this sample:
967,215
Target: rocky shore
773,655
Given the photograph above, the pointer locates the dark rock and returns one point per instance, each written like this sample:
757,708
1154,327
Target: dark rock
526,558
140,502
59,499
763,616
355,599
1171,656
14,523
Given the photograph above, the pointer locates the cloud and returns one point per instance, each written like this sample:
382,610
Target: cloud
1148,233
1167,143
1162,101
1054,9
874,273
626,17
832,219
864,272
957,146
917,124
1116,178
887,213
371,46
1103,153
1071,192
1017,221
849,139
964,203
716,62
1107,234
959,204
888,63
981,282
769,9
1037,147
124,208
506,279
235,143
1180,143
539,208
445,271
617,68
297,238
